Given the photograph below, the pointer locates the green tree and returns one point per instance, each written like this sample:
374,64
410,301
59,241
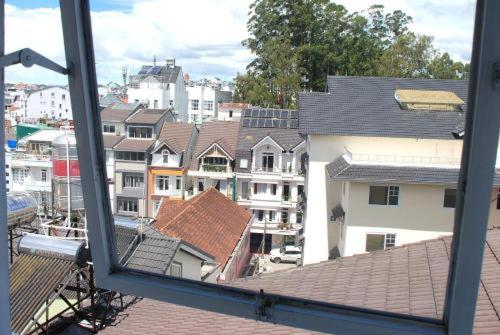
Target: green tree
443,67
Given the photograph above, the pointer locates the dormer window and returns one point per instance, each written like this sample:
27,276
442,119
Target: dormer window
164,155
429,100
140,132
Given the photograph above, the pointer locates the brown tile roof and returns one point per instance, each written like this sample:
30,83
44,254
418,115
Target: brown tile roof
111,140
225,134
177,135
134,145
199,222
147,116
118,112
408,279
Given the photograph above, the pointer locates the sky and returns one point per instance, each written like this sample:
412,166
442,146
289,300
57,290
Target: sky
204,36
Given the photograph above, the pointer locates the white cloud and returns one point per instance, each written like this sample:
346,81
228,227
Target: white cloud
204,36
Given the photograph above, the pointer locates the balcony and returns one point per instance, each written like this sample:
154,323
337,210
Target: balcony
403,159
276,227
214,168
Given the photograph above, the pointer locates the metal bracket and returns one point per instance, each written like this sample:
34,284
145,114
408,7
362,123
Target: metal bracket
28,58
263,306
496,75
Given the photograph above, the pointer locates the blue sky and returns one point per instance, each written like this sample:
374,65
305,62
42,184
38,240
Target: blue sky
203,35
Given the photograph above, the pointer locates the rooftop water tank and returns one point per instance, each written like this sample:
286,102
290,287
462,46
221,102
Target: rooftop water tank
21,209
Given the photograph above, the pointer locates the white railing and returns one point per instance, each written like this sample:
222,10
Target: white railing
404,159
24,156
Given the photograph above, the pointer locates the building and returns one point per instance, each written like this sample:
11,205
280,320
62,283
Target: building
51,103
160,87
31,166
231,111
383,163
270,173
130,131
214,158
384,280
214,224
204,101
171,159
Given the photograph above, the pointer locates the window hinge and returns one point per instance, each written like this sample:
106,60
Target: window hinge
28,58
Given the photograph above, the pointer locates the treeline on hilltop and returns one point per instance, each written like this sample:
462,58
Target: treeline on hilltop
297,43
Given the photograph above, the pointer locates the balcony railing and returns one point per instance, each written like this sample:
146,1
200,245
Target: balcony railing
214,168
402,159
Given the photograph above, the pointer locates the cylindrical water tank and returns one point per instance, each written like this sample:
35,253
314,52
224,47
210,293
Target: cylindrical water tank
65,169
48,246
21,209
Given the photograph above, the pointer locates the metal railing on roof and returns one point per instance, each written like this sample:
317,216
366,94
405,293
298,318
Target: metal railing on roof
405,159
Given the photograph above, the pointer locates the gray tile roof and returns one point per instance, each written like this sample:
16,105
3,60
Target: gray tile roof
119,112
342,169
249,136
130,144
150,116
154,252
365,106
110,140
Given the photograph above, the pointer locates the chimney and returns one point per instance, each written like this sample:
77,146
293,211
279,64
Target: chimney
170,62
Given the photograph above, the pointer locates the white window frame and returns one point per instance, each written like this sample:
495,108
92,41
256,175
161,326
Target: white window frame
43,175
471,214
208,105
133,180
106,128
178,267
392,191
164,156
194,104
165,180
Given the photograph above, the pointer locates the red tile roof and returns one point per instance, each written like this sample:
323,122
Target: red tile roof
225,134
408,279
209,221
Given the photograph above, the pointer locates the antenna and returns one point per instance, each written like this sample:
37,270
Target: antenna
124,76
154,60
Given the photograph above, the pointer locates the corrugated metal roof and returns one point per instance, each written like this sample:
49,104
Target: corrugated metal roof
32,280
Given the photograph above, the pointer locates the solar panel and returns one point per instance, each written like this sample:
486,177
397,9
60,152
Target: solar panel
276,123
155,70
276,113
283,123
294,124
284,114
262,113
294,114
269,123
255,113
253,122
269,113
248,112
246,122
145,69
261,122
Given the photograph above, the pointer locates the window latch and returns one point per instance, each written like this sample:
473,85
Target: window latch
496,75
28,58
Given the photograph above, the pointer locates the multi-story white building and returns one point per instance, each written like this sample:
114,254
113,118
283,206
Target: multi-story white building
383,162
269,170
52,103
231,111
214,158
204,102
160,87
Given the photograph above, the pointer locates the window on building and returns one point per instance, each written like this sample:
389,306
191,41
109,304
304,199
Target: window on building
272,215
384,195
260,215
379,241
244,190
178,181
162,183
156,206
267,161
284,216
44,175
18,175
171,103
155,104
215,160
208,105
274,187
108,128
52,103
299,217
195,104
164,155
136,100
176,270
230,113
450,198
128,205
133,181
243,163
130,156
201,184
63,97
286,191
140,132
52,95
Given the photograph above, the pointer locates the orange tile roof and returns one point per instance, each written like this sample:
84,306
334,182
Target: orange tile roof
209,221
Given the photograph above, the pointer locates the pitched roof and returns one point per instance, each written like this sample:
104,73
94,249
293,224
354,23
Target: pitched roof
344,169
149,116
366,106
119,112
111,140
199,222
225,134
407,279
130,144
177,135
163,73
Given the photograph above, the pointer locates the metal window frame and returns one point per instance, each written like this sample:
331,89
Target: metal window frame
481,138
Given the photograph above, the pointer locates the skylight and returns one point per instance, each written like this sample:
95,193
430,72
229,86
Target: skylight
428,100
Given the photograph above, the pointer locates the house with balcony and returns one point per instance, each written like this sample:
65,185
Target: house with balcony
131,157
171,158
383,162
270,173
160,87
31,166
214,158
113,117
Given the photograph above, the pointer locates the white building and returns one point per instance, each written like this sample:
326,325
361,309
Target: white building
160,87
204,102
52,103
383,163
231,111
269,172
